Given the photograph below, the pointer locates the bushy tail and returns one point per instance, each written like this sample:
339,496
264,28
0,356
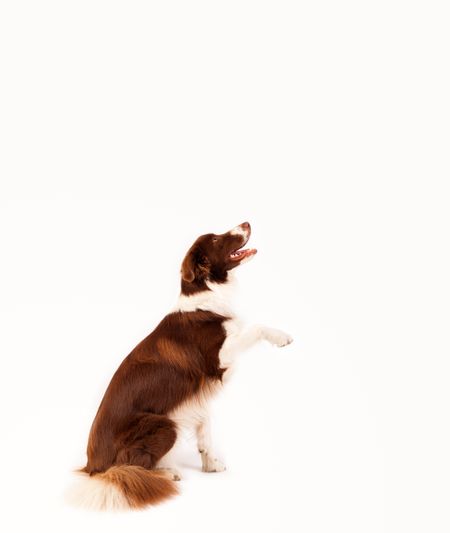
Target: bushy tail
121,487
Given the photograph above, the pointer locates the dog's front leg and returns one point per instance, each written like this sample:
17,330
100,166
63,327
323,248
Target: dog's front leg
240,338
209,462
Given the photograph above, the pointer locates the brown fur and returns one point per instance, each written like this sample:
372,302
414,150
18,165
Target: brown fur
177,362
173,353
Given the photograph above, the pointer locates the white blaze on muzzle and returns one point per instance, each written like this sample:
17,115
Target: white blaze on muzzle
239,230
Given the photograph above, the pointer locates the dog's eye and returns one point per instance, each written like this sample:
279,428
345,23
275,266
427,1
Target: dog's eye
215,239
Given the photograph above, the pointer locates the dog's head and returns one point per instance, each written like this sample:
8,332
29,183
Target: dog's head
212,256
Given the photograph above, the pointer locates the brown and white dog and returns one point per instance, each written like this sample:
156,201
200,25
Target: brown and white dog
165,383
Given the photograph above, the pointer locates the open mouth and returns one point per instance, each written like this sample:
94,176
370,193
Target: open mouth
240,254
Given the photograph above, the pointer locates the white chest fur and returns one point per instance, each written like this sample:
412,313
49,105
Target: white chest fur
230,348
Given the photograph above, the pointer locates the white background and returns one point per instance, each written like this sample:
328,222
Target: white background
128,129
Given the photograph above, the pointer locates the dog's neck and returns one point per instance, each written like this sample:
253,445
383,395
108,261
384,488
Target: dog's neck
217,298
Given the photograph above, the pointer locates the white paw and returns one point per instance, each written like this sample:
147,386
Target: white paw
171,473
211,464
277,337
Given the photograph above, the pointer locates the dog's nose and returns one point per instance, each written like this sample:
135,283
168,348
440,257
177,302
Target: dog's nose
245,225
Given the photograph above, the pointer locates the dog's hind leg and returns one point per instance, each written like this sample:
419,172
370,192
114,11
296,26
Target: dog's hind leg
147,438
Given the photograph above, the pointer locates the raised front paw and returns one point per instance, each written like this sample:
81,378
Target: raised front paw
277,337
211,464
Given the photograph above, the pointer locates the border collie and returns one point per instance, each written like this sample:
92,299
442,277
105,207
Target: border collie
165,383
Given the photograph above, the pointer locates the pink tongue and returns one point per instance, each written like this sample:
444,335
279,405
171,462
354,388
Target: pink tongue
238,253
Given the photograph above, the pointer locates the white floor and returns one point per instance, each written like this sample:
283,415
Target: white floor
299,441
322,435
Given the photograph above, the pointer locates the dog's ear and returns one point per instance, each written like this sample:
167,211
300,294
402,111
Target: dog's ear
188,266
195,265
